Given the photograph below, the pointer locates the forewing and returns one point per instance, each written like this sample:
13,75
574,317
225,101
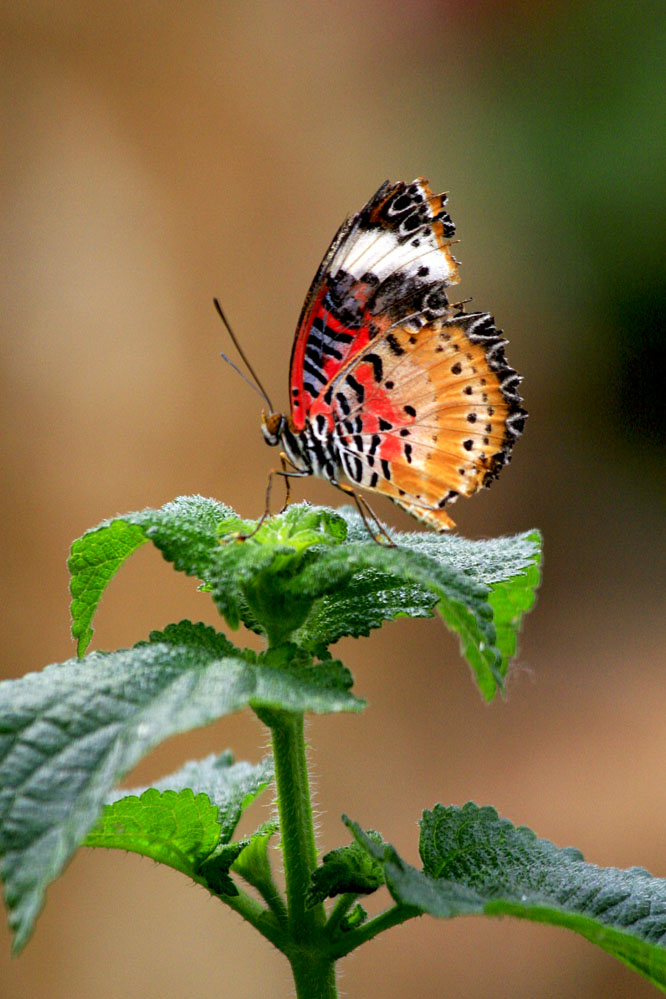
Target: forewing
429,415
388,265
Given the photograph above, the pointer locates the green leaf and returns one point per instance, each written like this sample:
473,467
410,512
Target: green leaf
177,828
94,561
253,863
258,581
368,599
476,863
185,531
356,917
254,866
512,597
229,786
348,870
315,575
363,584
186,819
214,870
69,733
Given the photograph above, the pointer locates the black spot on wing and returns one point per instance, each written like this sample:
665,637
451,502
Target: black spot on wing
377,366
353,466
343,404
356,387
394,346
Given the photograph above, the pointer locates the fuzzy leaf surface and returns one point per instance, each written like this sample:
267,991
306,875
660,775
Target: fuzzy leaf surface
253,863
314,575
186,819
476,863
322,583
175,828
229,786
70,733
481,589
185,531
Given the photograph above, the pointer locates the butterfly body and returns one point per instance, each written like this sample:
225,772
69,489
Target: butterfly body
391,387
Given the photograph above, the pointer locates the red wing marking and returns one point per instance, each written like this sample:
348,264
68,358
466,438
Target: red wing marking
387,264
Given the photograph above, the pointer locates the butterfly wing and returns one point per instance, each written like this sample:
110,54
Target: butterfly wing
437,415
421,399
389,261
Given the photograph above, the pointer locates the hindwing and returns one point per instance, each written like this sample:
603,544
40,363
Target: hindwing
431,416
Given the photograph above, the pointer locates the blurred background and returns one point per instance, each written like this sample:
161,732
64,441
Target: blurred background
155,155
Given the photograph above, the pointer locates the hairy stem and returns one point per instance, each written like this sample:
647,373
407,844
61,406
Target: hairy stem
311,962
314,974
296,824
339,912
259,917
391,917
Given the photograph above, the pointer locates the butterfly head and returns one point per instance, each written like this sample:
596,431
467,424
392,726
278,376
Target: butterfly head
272,426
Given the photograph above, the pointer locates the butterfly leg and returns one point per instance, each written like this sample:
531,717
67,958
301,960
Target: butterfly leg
287,474
381,535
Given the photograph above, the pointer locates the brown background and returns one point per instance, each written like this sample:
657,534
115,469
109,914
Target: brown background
157,154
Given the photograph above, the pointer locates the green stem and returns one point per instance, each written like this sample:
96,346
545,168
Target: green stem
296,824
271,895
259,917
259,875
384,921
307,951
342,907
314,974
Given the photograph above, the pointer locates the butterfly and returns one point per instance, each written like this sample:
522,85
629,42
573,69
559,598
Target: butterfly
391,386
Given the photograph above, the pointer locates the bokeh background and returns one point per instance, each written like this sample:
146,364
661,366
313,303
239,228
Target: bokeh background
156,154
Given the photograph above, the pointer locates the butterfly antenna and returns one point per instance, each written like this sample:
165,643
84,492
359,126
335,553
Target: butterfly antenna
256,385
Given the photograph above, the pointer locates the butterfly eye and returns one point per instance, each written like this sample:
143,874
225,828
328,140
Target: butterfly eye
271,426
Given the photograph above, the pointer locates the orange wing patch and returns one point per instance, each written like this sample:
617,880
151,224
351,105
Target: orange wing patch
441,420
